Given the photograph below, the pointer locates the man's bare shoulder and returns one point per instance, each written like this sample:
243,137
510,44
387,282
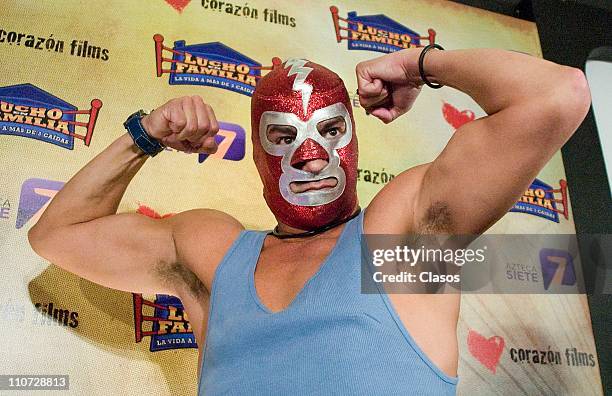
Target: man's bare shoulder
204,219
202,237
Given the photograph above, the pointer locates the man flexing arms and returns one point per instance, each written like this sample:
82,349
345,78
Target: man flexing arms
282,312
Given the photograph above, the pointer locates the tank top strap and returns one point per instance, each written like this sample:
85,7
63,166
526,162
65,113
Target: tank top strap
230,283
344,260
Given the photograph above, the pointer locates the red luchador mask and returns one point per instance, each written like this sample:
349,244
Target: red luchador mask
301,112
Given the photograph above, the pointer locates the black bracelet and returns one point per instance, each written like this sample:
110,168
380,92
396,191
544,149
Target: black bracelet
421,71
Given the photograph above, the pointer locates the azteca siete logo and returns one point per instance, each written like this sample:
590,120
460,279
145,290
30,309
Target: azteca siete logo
539,200
231,141
5,208
208,64
166,323
377,33
36,194
557,268
28,111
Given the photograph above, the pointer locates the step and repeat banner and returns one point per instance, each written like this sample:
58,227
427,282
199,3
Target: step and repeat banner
71,72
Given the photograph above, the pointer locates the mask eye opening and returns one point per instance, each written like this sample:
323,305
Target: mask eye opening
281,135
332,128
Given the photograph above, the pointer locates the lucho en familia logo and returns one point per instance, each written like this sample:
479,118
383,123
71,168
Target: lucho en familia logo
539,200
208,64
377,33
166,320
28,111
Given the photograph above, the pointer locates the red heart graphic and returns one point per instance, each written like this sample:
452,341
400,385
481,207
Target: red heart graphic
455,117
487,351
178,5
150,212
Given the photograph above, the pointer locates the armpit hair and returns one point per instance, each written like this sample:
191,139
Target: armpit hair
438,218
180,276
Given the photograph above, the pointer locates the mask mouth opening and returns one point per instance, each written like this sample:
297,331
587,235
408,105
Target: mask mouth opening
298,187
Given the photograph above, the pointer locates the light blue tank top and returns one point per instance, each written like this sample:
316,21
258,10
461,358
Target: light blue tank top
331,340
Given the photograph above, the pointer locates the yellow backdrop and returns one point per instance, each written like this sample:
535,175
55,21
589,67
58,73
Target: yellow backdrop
64,55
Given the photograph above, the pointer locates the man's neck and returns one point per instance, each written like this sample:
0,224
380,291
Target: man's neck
286,229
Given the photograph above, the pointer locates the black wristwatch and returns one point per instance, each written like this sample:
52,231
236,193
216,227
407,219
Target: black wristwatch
145,142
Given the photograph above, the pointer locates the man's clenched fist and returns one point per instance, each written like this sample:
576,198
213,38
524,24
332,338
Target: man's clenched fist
186,124
389,85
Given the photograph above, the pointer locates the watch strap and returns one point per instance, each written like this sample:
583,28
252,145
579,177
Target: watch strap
142,139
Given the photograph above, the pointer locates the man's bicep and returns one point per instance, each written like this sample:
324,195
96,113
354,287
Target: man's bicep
128,252
484,169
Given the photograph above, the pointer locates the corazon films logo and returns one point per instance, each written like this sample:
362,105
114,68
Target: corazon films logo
208,64
455,117
28,111
36,194
377,33
152,213
487,351
178,5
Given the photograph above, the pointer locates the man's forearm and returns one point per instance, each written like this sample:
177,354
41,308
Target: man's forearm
497,79
96,190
